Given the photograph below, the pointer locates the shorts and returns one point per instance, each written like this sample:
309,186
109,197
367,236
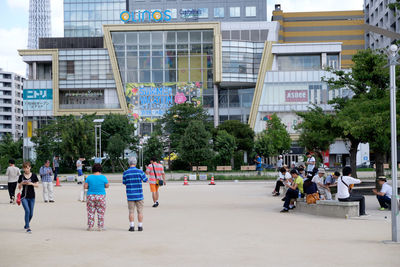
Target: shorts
80,173
154,187
138,204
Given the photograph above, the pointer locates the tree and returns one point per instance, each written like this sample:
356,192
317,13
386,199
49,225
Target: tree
177,119
115,149
9,149
153,148
244,135
114,124
369,82
195,147
225,146
316,130
274,140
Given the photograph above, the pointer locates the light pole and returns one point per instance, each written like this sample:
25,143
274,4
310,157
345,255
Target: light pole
393,56
97,140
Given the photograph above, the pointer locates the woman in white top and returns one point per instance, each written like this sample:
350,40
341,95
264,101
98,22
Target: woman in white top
343,189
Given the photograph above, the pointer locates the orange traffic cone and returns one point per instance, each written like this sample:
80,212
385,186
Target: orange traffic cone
58,182
212,181
185,181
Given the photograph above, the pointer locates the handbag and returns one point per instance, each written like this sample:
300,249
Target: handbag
159,182
312,198
19,198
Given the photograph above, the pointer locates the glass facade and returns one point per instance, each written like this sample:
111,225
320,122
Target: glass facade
85,18
161,68
241,61
86,80
299,62
235,104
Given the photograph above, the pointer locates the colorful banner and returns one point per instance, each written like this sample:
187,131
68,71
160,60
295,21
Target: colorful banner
149,101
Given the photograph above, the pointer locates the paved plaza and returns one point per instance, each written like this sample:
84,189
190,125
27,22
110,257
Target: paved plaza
230,224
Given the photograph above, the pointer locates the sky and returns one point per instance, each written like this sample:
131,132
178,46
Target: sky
14,16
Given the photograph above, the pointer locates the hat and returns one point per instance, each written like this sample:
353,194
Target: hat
382,178
321,170
280,156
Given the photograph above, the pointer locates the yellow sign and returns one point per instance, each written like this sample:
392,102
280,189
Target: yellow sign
30,129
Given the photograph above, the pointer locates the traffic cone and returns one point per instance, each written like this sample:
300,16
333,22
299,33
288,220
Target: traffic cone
212,181
185,181
58,182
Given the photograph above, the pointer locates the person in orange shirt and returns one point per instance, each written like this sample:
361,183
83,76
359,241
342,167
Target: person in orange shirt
155,172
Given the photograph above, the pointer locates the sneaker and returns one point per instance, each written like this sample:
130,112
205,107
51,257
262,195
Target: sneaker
28,231
155,205
11,202
51,201
283,199
131,229
45,201
284,210
382,209
140,228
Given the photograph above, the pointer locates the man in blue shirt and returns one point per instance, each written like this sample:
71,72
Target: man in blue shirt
132,179
46,174
258,165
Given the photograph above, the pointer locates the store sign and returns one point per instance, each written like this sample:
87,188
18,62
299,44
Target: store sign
38,99
37,94
190,13
296,96
146,16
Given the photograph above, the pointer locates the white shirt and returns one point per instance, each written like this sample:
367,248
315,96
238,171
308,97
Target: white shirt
318,180
279,164
387,189
311,166
287,176
342,189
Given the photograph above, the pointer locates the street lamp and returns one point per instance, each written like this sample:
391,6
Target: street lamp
393,56
97,140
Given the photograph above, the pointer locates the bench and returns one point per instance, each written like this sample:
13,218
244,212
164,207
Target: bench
248,168
199,168
224,168
330,208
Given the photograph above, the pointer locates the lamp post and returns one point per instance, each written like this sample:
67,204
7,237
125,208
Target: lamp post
395,209
97,139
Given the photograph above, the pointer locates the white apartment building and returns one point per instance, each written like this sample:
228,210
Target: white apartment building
11,113
378,14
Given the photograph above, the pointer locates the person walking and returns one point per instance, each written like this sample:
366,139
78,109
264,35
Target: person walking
132,179
384,196
27,182
96,197
56,167
257,160
12,173
46,174
155,172
343,190
79,167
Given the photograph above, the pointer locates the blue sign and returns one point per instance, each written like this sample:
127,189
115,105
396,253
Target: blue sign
38,94
146,15
154,101
365,158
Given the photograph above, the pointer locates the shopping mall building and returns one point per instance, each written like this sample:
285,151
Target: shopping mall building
140,58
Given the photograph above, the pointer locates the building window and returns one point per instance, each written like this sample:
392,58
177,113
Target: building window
234,12
70,67
333,61
203,13
250,11
219,12
306,62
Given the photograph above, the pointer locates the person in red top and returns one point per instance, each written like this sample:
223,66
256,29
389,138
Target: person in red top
155,171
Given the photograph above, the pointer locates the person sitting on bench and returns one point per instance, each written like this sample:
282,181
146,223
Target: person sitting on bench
282,176
343,188
294,189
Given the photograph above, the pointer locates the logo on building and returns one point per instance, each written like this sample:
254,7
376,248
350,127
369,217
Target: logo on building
296,96
146,16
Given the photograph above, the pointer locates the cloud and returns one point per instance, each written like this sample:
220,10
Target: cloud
17,38
19,4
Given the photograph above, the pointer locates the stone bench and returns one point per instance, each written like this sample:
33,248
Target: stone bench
224,168
330,208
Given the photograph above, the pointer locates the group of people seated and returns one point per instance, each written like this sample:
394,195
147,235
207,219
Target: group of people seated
316,185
